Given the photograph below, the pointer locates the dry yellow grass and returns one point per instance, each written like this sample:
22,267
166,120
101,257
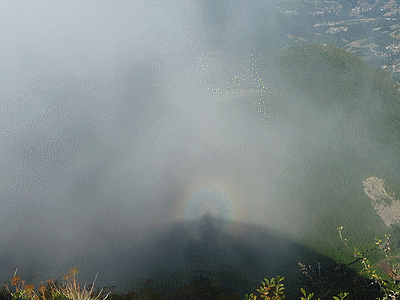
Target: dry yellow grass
70,291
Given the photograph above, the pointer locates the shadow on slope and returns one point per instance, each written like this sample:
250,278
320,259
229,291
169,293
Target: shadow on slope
237,256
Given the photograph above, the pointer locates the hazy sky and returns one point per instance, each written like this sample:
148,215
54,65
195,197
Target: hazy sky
108,126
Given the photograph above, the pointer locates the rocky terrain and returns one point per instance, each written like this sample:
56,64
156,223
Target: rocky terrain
386,207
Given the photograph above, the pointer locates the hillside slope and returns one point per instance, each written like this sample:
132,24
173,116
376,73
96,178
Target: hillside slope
346,117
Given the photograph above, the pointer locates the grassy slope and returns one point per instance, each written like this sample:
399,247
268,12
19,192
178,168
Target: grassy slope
327,74
330,77
326,78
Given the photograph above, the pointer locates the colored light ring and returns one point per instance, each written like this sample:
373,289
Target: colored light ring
213,195
222,198
206,201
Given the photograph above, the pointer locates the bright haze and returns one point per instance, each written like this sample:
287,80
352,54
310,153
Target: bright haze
109,129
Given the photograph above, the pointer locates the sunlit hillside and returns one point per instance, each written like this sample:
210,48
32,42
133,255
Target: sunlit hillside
348,113
328,75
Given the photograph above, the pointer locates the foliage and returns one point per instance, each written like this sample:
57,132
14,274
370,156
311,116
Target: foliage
270,290
389,288
328,75
324,72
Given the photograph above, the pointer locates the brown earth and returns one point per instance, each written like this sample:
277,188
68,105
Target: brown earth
385,267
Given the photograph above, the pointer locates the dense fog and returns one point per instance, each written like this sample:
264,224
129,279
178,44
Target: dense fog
112,129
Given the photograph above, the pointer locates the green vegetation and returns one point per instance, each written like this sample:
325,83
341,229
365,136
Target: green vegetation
337,84
330,79
324,72
356,102
327,77
270,289
273,289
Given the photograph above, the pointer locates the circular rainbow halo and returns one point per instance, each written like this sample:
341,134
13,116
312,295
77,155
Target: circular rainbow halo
210,202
